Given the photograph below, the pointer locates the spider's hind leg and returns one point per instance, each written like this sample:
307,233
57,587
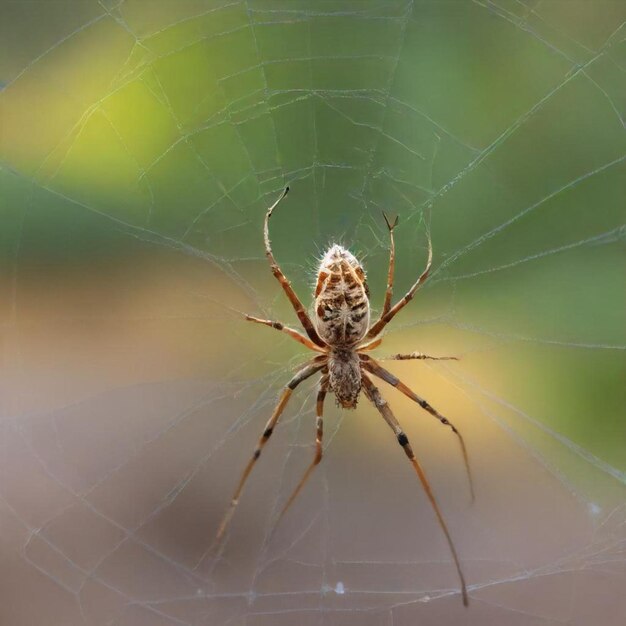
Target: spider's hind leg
417,355
392,263
297,305
294,334
388,315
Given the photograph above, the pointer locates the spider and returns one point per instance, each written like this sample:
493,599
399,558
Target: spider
342,335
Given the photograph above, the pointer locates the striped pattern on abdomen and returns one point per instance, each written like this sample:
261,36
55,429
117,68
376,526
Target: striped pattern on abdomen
342,309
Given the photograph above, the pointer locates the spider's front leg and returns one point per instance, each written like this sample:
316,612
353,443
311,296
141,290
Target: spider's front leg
374,395
307,371
373,367
319,429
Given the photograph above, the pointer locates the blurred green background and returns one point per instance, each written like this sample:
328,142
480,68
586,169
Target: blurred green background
140,143
499,125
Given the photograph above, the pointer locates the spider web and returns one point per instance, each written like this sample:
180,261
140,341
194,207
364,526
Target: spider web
142,141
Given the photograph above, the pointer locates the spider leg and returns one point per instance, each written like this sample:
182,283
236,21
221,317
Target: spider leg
417,355
305,320
392,262
371,366
374,395
389,315
294,334
303,374
370,345
319,425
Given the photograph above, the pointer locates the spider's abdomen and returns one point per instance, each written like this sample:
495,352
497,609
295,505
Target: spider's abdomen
342,308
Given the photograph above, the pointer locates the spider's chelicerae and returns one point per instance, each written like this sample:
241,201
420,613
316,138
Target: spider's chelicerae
342,335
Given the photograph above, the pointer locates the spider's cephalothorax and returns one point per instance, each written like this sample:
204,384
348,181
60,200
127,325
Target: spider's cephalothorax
344,376
341,335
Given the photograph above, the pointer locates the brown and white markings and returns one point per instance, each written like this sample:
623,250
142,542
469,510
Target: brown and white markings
342,307
341,334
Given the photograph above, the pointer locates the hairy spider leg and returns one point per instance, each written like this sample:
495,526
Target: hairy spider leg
303,374
319,428
385,318
370,345
417,355
374,395
304,318
392,263
294,334
371,366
